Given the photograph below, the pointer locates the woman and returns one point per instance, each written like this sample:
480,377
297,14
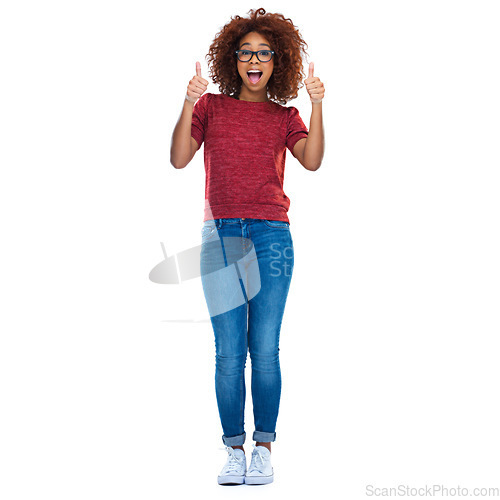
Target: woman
246,258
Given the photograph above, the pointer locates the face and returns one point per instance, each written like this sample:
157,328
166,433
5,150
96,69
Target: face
255,87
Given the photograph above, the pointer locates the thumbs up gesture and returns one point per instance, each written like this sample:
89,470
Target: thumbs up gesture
197,85
314,86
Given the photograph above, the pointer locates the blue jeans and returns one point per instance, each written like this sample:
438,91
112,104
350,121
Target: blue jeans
246,267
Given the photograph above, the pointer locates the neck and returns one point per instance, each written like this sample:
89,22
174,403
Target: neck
246,95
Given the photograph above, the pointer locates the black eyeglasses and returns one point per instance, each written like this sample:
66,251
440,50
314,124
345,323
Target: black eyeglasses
262,55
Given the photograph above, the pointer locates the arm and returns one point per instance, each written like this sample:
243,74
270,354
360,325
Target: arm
183,147
310,150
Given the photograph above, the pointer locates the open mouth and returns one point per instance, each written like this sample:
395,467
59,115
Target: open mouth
254,76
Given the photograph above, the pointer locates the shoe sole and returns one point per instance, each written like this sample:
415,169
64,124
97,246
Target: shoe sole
231,479
258,479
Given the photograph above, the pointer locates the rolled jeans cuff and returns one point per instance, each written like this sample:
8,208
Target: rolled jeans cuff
234,440
264,437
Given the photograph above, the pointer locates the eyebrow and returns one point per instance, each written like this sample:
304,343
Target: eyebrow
247,43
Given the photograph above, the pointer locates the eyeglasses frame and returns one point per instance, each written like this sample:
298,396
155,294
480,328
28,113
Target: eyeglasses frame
254,52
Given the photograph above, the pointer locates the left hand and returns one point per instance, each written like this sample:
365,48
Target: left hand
314,86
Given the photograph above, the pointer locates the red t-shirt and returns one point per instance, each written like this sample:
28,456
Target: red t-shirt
245,149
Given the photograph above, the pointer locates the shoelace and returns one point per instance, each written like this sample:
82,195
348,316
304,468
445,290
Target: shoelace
256,456
233,463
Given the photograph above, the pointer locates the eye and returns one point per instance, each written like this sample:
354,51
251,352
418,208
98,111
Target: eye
264,53
244,52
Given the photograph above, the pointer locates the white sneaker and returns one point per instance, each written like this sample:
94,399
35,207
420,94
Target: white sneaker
260,470
234,470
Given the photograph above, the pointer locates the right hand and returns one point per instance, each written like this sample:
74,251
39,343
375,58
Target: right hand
197,86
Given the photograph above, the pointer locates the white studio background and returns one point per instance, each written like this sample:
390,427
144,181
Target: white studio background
389,345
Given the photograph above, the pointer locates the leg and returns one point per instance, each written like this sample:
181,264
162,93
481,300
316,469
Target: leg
231,353
274,248
228,314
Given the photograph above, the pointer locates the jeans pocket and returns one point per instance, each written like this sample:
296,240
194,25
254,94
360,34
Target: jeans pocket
208,230
279,224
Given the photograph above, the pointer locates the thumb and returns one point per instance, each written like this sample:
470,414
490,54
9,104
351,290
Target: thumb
198,69
311,70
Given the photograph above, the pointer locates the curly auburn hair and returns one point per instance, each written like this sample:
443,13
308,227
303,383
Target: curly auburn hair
286,42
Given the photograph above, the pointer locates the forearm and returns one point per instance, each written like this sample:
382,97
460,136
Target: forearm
315,143
180,147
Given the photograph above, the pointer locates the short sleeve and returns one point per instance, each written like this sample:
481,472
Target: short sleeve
295,128
199,123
